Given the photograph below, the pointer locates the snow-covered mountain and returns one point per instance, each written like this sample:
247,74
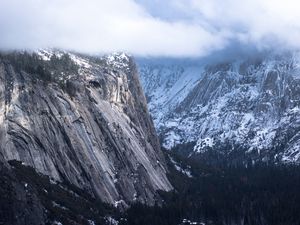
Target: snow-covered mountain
167,83
250,105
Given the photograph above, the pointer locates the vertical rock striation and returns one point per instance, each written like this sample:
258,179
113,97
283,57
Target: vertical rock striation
83,120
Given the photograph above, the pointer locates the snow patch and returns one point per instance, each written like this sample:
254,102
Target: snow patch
186,172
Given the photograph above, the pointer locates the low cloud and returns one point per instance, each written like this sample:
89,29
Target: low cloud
178,28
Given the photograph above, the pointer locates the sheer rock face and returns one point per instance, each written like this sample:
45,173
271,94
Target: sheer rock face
96,133
248,105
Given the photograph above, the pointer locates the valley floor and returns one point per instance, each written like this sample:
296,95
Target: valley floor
222,194
204,194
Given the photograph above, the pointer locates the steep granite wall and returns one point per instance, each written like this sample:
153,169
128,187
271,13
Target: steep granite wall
83,120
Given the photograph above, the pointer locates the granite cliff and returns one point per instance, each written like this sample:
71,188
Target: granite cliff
83,120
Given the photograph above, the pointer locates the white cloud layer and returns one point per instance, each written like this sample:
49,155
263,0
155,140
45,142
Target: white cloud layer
149,27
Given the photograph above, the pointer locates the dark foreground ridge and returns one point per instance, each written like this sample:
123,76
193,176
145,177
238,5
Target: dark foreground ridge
29,198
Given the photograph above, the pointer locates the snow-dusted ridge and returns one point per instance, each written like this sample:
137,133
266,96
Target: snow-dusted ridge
247,104
118,60
166,85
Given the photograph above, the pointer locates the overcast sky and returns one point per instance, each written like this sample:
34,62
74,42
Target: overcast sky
149,27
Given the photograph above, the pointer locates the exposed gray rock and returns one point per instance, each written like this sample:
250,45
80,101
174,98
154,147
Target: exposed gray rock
90,127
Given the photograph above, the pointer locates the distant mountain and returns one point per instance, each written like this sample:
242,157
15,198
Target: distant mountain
246,109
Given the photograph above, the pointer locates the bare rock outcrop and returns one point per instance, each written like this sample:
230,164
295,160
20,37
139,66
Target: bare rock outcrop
81,119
